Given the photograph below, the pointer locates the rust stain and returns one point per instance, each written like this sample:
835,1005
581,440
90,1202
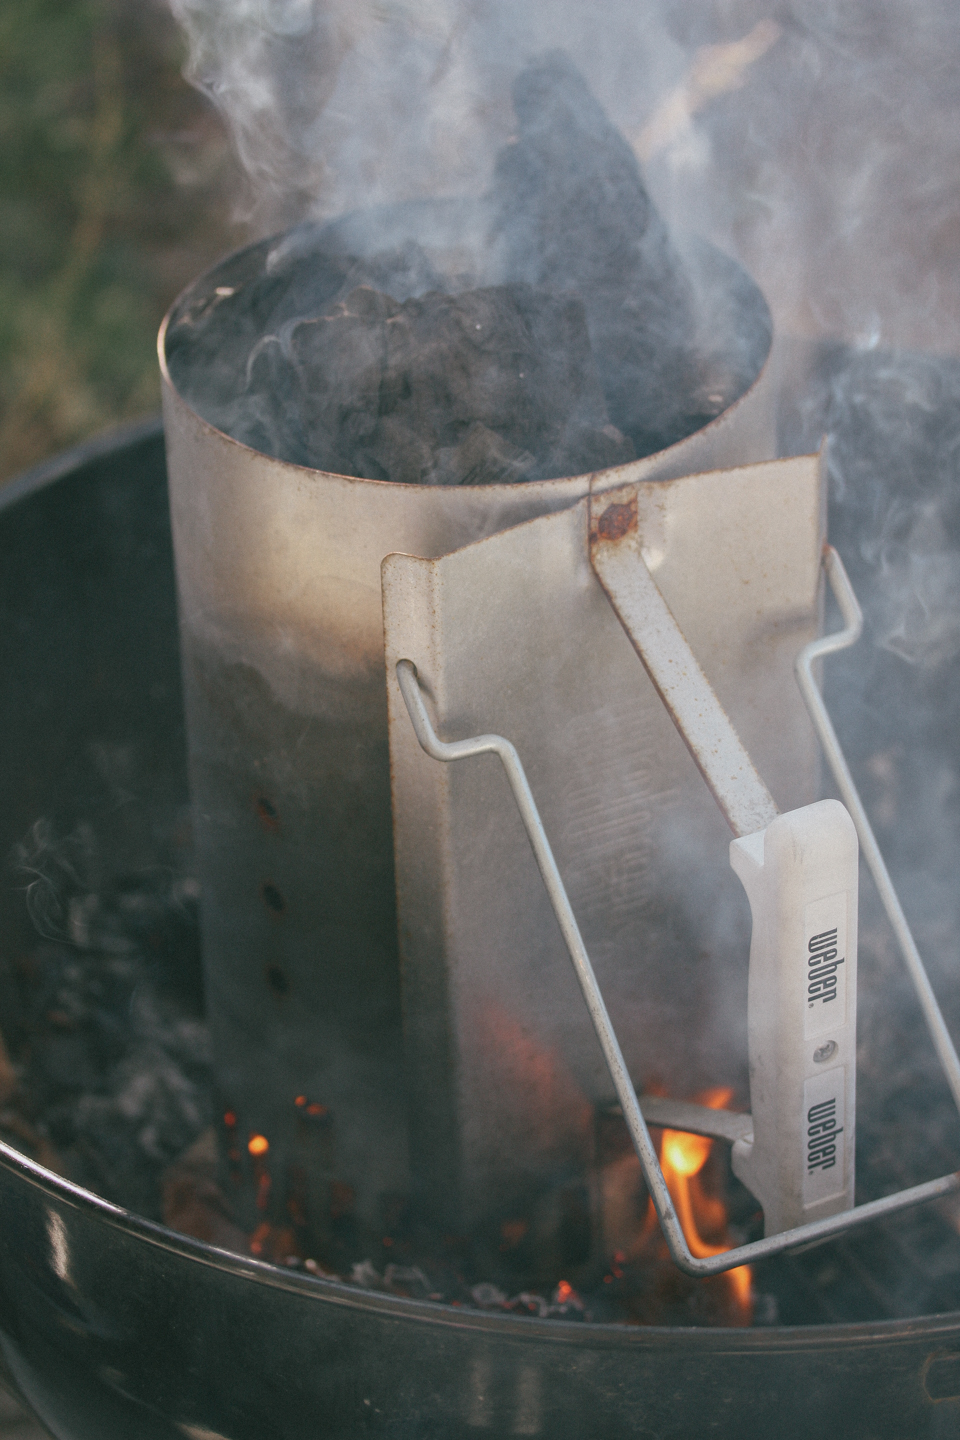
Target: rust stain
618,520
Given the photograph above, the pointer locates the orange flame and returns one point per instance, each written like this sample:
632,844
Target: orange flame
682,1158
258,1144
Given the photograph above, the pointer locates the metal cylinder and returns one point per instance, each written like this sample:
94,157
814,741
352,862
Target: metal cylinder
278,570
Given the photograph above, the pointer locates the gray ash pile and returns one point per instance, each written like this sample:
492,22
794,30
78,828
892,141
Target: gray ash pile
113,1068
569,345
106,1078
108,1081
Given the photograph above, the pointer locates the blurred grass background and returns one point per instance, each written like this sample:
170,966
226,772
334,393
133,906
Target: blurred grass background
116,187
115,190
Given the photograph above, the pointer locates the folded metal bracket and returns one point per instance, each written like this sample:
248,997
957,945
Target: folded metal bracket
687,694
711,758
514,633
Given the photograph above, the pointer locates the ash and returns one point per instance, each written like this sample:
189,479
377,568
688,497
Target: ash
106,1078
570,345
108,1081
113,1073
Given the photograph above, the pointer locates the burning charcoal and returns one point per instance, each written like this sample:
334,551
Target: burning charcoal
407,1280
217,334
566,1303
117,1067
339,360
573,215
365,1274
314,1268
249,336
269,415
529,1303
492,386
509,358
194,1204
488,1297
379,365
308,384
482,458
489,386
395,452
314,273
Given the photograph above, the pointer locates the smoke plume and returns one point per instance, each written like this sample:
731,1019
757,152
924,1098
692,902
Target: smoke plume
815,140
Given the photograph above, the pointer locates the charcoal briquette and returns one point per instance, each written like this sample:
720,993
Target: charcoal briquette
579,357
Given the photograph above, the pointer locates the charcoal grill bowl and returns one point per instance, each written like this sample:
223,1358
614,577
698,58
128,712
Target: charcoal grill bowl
114,1328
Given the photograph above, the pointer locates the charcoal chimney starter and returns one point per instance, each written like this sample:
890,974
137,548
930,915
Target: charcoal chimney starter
282,631
474,693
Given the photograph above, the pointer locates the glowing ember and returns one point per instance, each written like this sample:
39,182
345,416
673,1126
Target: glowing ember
310,1107
258,1144
259,1238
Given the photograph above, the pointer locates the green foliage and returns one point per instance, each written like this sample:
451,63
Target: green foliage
96,233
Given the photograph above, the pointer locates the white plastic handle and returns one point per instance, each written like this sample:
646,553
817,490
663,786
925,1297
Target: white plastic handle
800,875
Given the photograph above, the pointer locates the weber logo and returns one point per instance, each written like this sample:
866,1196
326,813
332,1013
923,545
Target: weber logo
822,1132
823,1136
823,962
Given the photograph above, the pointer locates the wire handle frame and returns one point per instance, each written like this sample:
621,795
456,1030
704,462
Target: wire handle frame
869,849
630,1105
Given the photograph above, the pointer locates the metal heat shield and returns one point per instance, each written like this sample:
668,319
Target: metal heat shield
514,634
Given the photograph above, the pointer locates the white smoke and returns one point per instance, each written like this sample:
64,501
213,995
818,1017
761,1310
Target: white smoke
332,105
833,170
919,599
816,139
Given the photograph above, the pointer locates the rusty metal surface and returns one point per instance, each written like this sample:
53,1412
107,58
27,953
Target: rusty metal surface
515,635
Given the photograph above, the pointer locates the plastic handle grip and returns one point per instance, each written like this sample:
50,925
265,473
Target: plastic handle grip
800,875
